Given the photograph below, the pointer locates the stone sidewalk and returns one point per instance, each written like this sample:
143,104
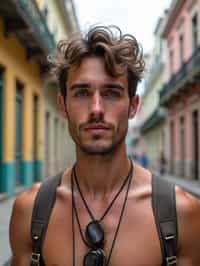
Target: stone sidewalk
5,213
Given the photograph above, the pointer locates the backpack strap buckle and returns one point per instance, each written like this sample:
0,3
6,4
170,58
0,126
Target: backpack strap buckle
35,259
169,237
171,260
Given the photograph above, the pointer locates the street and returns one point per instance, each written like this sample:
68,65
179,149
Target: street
5,213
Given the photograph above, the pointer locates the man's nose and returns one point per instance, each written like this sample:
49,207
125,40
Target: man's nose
97,105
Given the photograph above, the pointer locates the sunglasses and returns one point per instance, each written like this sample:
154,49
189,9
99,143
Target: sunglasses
95,236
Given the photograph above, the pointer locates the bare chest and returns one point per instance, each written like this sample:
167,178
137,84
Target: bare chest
137,242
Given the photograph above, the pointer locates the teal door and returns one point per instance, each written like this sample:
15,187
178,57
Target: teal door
1,129
18,133
35,114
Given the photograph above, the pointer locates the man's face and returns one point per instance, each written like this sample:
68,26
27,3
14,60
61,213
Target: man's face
97,107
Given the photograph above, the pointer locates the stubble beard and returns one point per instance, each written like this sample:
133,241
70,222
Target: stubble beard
103,150
98,150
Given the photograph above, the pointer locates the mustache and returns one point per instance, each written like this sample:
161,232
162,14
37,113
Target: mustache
92,121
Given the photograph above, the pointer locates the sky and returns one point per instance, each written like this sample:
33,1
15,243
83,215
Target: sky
136,17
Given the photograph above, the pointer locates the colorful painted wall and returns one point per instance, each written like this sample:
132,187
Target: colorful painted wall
182,34
21,105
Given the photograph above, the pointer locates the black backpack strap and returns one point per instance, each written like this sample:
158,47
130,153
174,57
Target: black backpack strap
164,208
42,209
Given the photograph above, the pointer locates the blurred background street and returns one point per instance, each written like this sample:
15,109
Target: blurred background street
34,139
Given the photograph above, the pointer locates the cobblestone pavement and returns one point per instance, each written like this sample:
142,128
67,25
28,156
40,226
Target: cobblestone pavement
5,213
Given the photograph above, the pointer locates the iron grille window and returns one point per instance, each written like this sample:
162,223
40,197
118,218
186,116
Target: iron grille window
181,47
171,61
195,31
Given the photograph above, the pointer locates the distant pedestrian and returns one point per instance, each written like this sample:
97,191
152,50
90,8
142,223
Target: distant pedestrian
163,162
144,160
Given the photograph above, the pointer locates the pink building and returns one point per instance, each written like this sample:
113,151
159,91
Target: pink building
181,93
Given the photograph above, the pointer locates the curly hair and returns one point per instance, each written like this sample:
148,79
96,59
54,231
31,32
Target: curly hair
122,55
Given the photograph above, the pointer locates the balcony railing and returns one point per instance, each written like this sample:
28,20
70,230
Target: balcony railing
154,71
185,73
156,117
36,21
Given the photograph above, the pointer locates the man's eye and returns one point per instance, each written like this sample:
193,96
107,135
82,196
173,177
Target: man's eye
81,93
112,93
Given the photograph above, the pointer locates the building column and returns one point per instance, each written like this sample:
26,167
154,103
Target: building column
167,143
51,144
27,139
177,143
39,140
8,165
188,136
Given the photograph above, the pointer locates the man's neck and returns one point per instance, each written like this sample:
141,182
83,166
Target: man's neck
99,175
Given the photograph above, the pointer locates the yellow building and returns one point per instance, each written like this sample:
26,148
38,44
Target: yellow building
24,43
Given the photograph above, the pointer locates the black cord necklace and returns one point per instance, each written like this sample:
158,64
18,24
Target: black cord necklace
73,227
111,203
94,230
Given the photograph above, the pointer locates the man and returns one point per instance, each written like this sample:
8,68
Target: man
98,76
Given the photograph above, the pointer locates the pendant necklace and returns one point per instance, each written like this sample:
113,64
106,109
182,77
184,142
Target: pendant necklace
94,233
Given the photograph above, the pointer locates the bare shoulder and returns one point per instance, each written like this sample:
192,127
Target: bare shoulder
142,177
20,223
22,208
188,215
187,204
28,195
188,208
141,187
24,202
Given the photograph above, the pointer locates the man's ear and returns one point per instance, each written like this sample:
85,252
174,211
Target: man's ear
134,102
61,104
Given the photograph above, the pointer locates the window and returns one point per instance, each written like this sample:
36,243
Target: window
45,11
171,61
181,48
195,31
56,143
1,117
161,46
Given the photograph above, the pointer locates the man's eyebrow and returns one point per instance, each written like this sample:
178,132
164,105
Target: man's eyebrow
113,86
109,85
79,85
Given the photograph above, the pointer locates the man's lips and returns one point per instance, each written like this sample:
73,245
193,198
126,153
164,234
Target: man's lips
96,127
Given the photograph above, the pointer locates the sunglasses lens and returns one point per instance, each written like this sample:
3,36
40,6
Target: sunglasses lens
95,234
94,258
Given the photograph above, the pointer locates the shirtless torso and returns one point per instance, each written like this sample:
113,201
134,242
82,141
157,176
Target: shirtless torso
137,242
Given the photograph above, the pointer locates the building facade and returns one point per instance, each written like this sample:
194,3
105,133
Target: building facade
181,93
150,113
34,138
59,150
25,42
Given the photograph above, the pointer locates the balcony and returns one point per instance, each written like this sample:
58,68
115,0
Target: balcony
153,120
24,19
154,72
188,74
